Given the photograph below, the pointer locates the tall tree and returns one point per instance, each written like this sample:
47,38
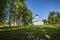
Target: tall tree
54,18
28,17
15,12
2,15
51,17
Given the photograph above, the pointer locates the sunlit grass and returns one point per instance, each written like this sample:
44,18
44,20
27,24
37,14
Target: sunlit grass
27,27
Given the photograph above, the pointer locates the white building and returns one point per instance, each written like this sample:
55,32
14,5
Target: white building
37,21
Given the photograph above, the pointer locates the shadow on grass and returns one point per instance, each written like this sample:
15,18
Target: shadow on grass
54,33
31,33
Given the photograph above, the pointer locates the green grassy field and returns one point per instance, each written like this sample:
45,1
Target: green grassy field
47,32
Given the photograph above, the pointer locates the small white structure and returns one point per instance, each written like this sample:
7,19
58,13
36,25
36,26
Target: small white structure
37,21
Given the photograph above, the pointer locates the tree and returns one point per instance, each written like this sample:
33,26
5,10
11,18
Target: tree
28,17
57,17
2,14
54,18
51,17
15,12
45,21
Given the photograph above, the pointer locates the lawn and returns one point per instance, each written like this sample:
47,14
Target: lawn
45,32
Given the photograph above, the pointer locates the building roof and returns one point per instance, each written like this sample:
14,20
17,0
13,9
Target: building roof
36,18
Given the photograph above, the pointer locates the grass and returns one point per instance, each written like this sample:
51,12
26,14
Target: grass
48,32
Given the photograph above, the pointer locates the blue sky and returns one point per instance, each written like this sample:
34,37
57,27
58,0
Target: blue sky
43,7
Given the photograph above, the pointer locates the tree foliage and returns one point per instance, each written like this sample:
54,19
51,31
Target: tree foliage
54,18
45,21
14,11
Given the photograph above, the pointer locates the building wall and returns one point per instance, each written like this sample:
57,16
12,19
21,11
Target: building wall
38,23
